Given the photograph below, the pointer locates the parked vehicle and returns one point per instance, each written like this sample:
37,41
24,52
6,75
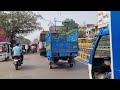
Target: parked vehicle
5,51
34,48
64,48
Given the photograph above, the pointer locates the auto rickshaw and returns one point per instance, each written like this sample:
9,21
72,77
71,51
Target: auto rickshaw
5,51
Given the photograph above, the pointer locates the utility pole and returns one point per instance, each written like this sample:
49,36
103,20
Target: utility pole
55,23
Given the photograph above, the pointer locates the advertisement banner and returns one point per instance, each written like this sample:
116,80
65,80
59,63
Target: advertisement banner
3,35
103,18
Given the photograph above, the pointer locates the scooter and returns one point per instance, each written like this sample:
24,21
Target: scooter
17,61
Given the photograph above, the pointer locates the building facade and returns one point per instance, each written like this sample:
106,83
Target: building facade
90,29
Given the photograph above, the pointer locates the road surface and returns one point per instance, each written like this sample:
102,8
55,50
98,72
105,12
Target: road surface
36,67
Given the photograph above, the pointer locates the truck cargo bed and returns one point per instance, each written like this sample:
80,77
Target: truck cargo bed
57,46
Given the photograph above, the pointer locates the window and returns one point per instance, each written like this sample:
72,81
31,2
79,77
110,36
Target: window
103,48
8,48
3,49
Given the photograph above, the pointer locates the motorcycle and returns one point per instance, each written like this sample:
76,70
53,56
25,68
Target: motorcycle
17,61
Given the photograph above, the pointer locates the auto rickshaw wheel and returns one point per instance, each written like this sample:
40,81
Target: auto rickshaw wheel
7,59
55,61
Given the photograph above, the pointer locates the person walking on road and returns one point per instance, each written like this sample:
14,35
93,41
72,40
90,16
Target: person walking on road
26,48
33,47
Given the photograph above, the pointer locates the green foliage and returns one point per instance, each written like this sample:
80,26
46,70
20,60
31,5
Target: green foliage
82,34
70,23
69,26
23,40
19,22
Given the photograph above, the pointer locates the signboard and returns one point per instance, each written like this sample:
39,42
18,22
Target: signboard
103,18
3,38
3,35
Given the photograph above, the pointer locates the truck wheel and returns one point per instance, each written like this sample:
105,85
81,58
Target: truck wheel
69,61
71,65
55,61
50,67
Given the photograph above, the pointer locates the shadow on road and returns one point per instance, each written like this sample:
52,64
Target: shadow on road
10,60
27,67
65,65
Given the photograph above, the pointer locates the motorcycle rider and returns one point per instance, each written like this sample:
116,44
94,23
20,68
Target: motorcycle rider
17,51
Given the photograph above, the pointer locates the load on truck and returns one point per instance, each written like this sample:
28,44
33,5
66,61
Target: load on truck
59,47
104,62
42,43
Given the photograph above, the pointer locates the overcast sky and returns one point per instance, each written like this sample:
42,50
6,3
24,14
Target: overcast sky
80,17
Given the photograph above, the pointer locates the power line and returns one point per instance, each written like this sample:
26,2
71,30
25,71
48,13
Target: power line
62,12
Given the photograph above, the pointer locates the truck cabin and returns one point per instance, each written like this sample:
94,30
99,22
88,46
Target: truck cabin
100,58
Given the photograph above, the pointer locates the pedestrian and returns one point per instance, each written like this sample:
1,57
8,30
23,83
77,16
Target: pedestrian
33,48
26,48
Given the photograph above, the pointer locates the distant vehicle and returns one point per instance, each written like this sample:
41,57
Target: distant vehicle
5,51
42,43
23,48
35,48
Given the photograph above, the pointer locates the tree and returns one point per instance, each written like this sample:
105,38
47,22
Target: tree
69,25
23,40
19,22
35,41
82,34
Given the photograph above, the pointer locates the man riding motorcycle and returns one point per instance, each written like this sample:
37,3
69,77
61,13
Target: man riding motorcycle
17,51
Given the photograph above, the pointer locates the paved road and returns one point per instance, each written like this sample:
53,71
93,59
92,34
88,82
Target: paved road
36,67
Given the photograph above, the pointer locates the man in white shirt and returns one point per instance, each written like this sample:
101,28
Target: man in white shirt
26,48
33,48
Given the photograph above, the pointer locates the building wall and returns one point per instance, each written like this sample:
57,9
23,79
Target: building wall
91,30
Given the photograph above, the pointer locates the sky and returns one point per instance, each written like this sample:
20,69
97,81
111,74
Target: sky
80,17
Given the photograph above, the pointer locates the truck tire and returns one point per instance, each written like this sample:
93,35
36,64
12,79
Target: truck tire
71,65
55,61
50,67
69,61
